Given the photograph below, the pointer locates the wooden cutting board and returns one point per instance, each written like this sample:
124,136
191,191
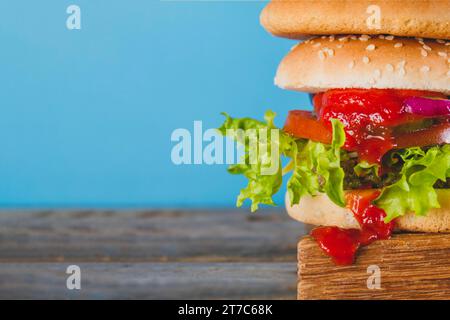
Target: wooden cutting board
408,266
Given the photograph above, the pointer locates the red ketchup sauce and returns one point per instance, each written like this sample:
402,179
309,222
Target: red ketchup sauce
368,117
342,244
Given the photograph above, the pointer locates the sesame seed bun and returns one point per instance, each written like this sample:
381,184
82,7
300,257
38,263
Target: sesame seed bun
295,19
363,61
321,211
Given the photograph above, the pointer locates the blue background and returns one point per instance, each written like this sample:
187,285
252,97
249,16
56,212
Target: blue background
87,115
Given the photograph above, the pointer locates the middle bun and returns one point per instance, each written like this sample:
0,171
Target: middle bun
384,62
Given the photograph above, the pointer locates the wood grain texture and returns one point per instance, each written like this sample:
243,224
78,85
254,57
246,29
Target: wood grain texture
413,266
150,281
148,236
149,254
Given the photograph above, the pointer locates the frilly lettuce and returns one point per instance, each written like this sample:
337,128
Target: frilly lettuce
364,168
414,191
315,166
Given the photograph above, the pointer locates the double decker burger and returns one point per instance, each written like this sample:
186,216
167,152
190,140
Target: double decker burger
373,156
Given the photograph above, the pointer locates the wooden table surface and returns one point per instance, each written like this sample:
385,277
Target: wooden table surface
150,254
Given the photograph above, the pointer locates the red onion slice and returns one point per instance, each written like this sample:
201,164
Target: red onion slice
427,107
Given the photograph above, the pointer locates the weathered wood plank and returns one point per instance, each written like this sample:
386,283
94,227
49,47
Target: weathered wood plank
150,281
412,266
94,235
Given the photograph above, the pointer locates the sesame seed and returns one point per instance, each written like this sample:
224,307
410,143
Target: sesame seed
423,53
426,47
421,42
331,38
343,39
440,41
339,46
365,59
351,64
321,55
323,37
447,43
398,45
381,36
389,38
419,39
354,38
442,54
364,37
401,68
389,67
377,73
425,69
330,52
370,47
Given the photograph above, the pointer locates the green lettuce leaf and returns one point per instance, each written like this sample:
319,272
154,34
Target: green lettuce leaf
414,191
364,168
261,187
316,166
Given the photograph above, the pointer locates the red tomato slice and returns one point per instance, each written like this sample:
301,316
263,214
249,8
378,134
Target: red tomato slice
303,124
438,134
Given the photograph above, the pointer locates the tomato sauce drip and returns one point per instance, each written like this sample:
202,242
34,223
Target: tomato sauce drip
368,117
342,244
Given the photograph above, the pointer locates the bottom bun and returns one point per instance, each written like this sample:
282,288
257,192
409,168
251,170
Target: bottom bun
321,211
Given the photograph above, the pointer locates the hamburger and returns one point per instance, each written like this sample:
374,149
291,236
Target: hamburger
373,156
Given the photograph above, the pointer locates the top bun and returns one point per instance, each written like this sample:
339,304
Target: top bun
382,62
414,18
